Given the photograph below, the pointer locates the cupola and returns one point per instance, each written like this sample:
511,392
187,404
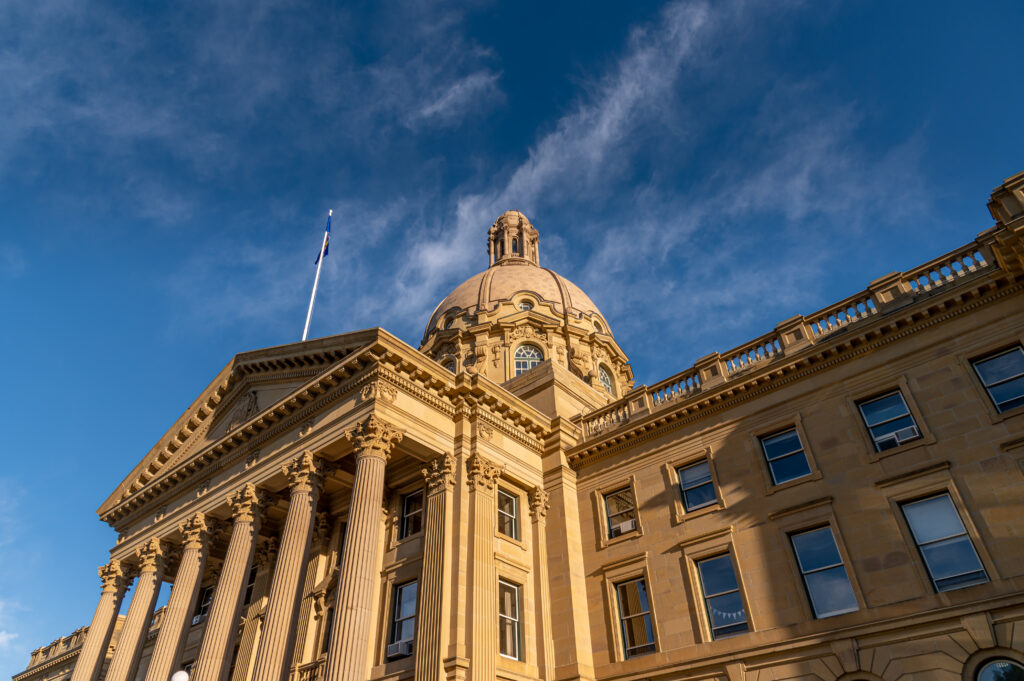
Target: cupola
512,238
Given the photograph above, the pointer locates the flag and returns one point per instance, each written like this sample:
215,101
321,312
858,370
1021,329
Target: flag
327,240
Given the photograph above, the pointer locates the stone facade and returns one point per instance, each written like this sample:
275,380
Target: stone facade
351,508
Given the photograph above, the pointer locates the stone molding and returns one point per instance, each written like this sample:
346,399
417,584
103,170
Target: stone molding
440,474
482,472
305,473
374,437
195,531
539,504
379,390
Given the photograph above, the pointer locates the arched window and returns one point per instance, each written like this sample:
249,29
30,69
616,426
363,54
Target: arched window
606,379
526,306
1001,670
501,248
598,327
448,323
515,246
449,364
527,357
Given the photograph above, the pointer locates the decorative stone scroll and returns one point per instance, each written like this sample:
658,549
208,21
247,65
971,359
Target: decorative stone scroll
150,555
305,473
246,504
374,437
194,531
112,576
482,472
539,503
440,474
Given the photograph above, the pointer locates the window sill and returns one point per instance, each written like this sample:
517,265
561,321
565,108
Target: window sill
632,534
810,477
999,417
510,540
681,516
922,441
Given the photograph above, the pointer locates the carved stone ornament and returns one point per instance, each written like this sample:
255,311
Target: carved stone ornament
150,556
321,529
496,354
305,473
194,531
266,552
243,413
485,431
378,390
440,474
306,428
246,504
482,472
528,331
539,503
374,437
112,576
252,459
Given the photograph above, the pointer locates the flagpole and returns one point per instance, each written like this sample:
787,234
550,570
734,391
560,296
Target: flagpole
316,280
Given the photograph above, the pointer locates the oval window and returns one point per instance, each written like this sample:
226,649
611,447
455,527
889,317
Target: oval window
526,306
527,357
1001,670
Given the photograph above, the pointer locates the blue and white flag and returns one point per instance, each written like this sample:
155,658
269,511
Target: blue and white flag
327,241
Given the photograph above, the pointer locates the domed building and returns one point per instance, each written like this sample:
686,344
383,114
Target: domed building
839,499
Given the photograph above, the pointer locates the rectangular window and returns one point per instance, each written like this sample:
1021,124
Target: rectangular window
1002,375
942,540
508,514
621,509
412,514
635,615
509,632
403,620
250,585
722,599
889,421
824,574
785,454
325,642
203,604
697,487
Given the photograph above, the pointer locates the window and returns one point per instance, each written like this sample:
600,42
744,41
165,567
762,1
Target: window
1003,377
1001,670
449,364
508,619
621,509
635,615
526,306
597,327
325,643
889,421
501,247
785,454
250,584
697,487
515,246
942,540
508,514
412,514
527,357
606,379
448,323
403,621
824,574
203,604
726,615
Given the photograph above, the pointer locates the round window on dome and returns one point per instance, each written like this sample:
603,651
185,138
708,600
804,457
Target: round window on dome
606,379
525,305
1001,670
527,357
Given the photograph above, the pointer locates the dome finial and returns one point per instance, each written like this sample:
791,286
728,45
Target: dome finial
513,239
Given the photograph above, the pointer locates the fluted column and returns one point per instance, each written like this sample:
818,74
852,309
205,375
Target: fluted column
266,556
90,659
171,639
222,624
348,657
140,613
539,506
273,656
434,590
482,474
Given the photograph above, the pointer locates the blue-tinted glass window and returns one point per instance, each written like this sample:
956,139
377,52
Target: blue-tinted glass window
697,486
785,454
722,599
942,540
1003,377
825,577
403,626
889,421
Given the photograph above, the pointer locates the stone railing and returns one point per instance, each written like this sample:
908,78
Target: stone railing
58,647
888,292
311,671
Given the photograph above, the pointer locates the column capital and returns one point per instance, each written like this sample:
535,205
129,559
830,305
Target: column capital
150,556
539,503
195,532
112,576
374,437
440,474
305,473
247,504
482,472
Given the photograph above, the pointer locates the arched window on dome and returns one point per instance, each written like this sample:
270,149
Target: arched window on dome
1001,670
449,364
606,379
597,327
527,357
448,322
515,246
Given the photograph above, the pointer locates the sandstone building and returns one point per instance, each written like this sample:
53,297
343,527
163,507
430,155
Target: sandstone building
839,499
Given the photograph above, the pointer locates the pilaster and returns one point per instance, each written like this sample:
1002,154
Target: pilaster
482,474
539,505
432,625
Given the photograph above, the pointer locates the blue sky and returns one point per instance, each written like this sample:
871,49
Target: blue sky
703,170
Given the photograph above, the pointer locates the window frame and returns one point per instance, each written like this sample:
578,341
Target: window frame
517,619
600,506
203,604
964,533
604,371
610,526
649,614
714,501
515,516
395,622
875,441
250,583
516,359
403,525
1005,350
773,481
707,597
843,562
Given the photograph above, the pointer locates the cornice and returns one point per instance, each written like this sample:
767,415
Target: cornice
47,664
837,349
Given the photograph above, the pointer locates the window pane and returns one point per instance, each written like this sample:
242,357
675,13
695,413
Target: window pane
933,518
620,502
506,503
508,600
405,630
830,592
633,598
698,497
781,444
717,575
1002,367
789,468
816,549
1008,395
1001,670
406,601
695,475
639,635
727,611
951,557
508,638
888,407
881,431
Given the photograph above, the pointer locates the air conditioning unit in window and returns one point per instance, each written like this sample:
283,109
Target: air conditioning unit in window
399,649
898,437
624,527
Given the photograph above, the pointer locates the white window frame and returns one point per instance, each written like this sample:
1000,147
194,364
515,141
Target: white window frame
612,527
514,516
683,489
516,619
395,619
528,363
917,435
803,573
403,530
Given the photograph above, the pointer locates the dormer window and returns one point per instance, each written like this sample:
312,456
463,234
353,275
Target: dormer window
606,379
527,357
448,323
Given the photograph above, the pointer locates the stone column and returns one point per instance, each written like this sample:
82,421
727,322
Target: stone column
314,568
90,659
222,624
434,589
539,512
348,656
483,641
266,556
170,641
273,656
140,613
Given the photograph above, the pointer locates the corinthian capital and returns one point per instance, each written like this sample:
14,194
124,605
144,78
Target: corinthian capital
305,473
440,474
194,531
374,437
482,472
112,576
246,504
539,503
150,556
